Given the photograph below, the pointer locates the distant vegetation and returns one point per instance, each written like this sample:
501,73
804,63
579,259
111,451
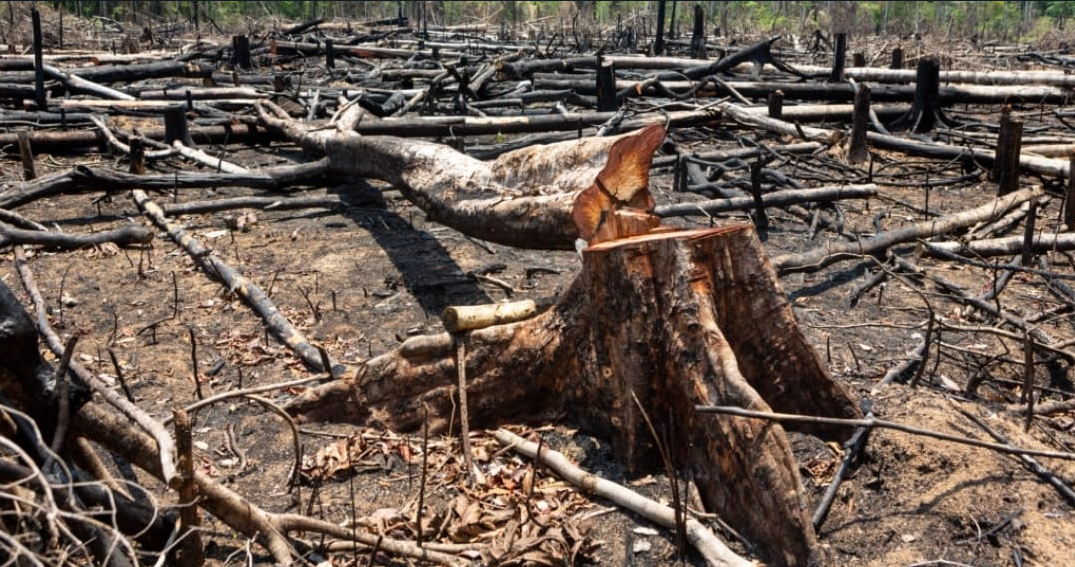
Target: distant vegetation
986,20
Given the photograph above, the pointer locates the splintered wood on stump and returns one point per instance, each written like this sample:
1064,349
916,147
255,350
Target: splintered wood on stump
678,319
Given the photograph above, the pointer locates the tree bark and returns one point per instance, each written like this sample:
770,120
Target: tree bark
677,319
523,198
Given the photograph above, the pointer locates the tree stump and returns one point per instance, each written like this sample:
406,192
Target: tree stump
676,319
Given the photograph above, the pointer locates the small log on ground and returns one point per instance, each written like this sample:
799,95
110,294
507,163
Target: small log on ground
677,319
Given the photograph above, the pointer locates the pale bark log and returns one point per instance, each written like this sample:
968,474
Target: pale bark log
523,198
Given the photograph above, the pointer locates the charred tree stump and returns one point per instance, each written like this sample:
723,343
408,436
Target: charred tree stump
677,319
897,58
137,157
926,109
1002,132
858,151
26,153
858,59
607,101
175,125
698,36
839,59
40,97
240,46
1069,196
330,55
761,220
658,41
776,104
1009,146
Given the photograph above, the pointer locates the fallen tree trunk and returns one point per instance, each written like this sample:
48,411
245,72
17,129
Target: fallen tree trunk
522,199
836,251
948,94
677,319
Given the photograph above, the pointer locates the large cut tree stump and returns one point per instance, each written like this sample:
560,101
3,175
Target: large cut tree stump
675,318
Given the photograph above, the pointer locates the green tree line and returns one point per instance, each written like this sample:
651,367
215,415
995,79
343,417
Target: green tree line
1004,19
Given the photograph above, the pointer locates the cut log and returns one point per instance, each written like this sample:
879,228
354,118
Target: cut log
524,198
677,319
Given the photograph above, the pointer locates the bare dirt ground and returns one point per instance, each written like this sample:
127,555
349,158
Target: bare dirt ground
360,281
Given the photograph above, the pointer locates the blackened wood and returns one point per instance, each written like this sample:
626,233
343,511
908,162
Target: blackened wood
469,125
658,42
27,154
27,378
839,59
175,125
606,87
826,91
84,178
61,140
927,95
776,104
39,60
897,58
926,107
858,59
672,33
1008,157
17,92
250,292
831,253
1069,196
698,36
299,28
240,46
775,199
124,236
761,220
1027,256
116,73
137,156
330,55
195,93
61,117
858,151
1002,133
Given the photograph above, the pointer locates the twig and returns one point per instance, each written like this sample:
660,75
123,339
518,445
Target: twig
194,363
678,505
254,296
1035,467
715,552
873,422
166,448
63,401
853,448
460,340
